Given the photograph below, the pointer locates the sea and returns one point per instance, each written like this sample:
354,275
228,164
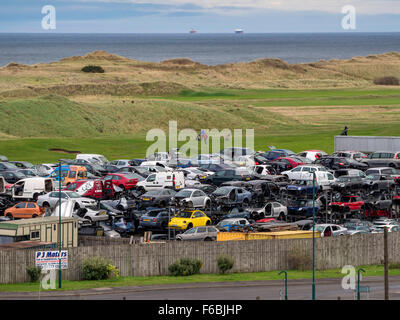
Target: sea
210,49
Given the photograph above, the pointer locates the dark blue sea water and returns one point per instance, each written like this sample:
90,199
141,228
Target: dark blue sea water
209,49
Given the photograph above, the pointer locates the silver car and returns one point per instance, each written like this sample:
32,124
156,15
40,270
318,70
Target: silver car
192,198
51,199
199,233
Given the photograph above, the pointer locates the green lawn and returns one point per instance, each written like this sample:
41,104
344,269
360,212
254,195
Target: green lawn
372,270
294,138
283,97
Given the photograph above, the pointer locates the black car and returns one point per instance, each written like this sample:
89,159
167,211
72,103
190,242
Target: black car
214,167
333,163
23,164
156,198
12,176
8,166
348,184
138,170
228,175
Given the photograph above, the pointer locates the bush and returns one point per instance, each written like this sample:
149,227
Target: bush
34,273
298,260
98,268
185,267
387,81
225,263
93,69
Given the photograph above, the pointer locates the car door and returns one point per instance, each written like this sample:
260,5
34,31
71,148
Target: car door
269,210
198,198
150,182
201,233
20,210
335,230
295,173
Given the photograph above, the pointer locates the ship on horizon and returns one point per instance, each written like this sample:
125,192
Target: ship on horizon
192,31
238,30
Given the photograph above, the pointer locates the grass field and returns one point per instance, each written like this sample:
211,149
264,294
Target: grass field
297,107
372,270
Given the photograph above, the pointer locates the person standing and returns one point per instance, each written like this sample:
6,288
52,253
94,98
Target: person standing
344,133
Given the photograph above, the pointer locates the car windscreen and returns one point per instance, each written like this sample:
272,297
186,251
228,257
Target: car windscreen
221,191
73,195
183,193
183,214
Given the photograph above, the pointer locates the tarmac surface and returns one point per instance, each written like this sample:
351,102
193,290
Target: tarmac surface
326,289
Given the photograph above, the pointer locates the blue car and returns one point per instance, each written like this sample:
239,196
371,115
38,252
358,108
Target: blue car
122,226
302,188
155,219
302,208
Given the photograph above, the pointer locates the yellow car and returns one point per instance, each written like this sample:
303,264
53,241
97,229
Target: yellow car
188,219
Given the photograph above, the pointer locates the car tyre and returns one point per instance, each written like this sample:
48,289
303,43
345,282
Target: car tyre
208,223
10,216
190,226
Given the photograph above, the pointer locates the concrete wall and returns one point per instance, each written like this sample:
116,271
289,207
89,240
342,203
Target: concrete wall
151,259
367,143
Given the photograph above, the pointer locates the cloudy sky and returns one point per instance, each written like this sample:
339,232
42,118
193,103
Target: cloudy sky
177,16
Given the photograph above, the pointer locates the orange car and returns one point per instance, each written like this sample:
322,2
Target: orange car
24,210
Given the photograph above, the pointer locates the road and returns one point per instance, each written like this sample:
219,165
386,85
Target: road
326,289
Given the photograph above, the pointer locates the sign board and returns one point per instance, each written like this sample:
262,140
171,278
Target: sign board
50,260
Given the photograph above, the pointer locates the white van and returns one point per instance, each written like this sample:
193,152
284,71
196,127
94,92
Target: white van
169,179
92,158
31,188
161,164
323,178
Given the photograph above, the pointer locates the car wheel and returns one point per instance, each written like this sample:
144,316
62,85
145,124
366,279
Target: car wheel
207,204
10,216
282,216
35,197
208,223
46,205
207,239
34,215
190,226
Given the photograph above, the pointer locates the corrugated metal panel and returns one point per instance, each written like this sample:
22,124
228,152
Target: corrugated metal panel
367,143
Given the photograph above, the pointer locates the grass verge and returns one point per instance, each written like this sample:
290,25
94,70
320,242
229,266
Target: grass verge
371,270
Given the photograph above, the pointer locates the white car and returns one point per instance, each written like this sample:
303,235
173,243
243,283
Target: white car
312,154
323,177
193,198
328,230
51,199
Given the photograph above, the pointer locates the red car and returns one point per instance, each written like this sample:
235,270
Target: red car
351,203
293,162
124,181
265,220
95,189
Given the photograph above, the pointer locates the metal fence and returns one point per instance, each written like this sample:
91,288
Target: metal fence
152,259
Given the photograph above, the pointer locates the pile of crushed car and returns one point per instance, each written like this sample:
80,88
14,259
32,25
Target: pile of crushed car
181,198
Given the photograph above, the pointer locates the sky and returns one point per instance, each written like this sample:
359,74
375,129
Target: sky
205,16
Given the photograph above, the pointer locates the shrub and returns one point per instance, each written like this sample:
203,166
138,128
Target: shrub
298,260
225,263
185,267
98,268
387,81
34,273
93,69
